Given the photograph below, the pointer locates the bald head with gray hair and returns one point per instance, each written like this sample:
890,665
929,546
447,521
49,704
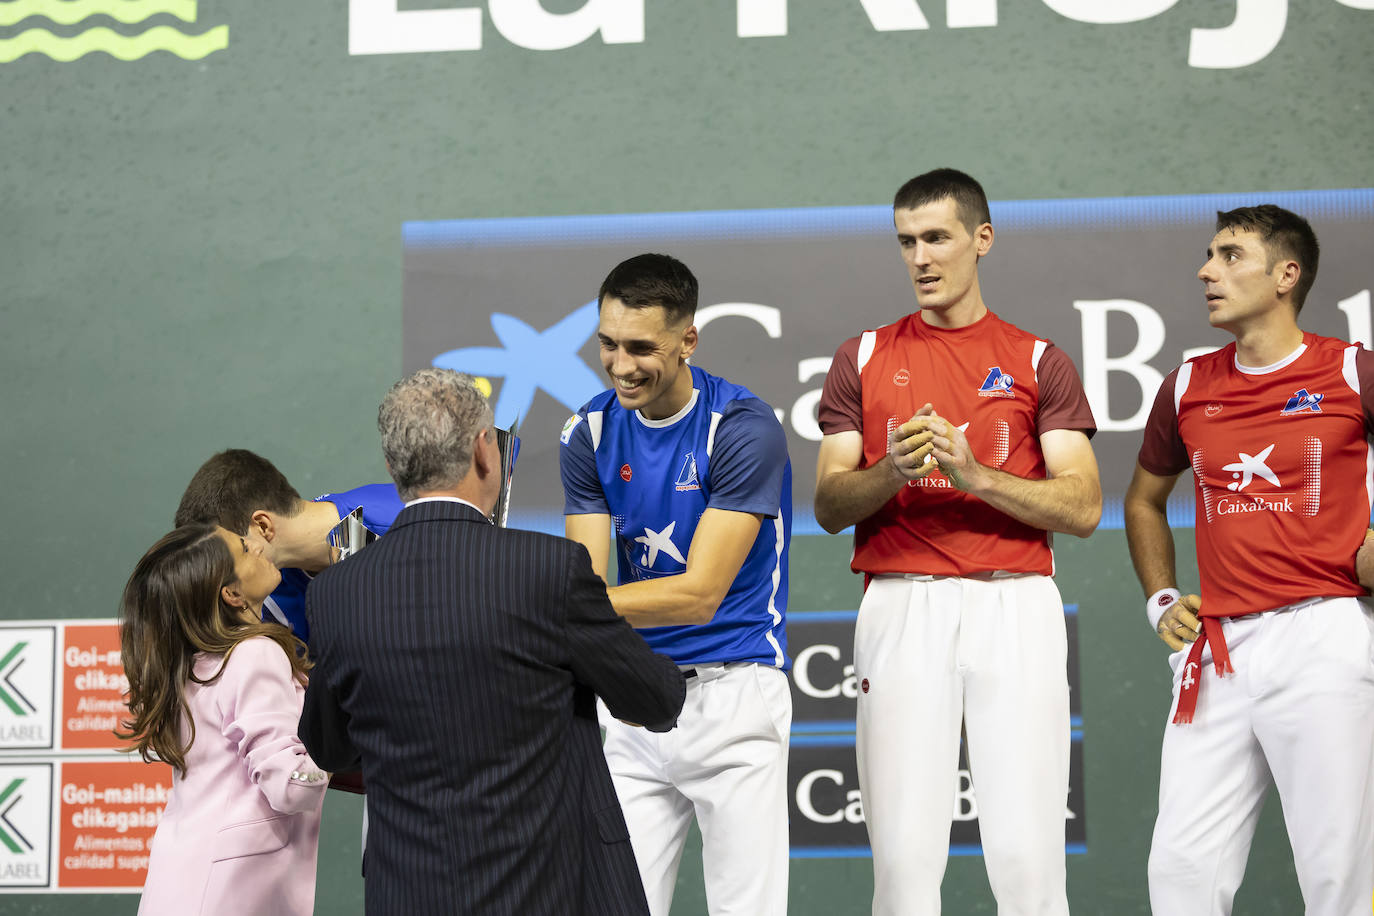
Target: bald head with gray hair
428,421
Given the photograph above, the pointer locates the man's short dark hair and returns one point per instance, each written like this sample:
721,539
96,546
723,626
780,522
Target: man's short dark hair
1285,235
653,280
231,486
941,184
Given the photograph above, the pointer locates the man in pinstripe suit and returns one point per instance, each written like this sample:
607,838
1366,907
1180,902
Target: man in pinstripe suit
458,663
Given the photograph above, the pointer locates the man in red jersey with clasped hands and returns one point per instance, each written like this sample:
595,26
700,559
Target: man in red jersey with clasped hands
955,443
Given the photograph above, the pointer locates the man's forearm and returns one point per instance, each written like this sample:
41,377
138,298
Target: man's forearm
1152,545
665,602
846,497
1070,504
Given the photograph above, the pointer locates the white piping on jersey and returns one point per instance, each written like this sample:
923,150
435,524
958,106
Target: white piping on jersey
594,418
669,421
867,341
1272,367
1036,352
271,607
1185,375
711,433
778,541
1352,376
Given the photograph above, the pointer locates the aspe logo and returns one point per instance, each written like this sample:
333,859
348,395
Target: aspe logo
1301,402
687,477
26,687
25,824
122,44
997,384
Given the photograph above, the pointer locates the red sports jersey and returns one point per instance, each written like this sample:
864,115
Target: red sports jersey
1004,387
1281,468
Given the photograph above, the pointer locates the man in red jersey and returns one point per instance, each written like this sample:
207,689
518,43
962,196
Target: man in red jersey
1273,677
954,443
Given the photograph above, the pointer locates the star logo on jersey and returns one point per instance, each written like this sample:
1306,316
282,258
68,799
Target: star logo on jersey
1302,402
626,472
1248,468
687,477
656,541
529,360
997,384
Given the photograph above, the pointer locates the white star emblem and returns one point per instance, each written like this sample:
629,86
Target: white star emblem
1249,467
655,541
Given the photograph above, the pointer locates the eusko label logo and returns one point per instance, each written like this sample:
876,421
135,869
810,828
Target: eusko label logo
25,825
65,30
26,687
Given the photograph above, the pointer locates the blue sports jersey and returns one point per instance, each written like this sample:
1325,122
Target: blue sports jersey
724,450
286,604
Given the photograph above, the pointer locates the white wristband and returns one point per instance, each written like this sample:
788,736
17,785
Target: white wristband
1160,602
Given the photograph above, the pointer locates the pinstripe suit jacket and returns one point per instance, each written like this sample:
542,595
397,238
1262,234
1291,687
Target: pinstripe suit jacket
458,663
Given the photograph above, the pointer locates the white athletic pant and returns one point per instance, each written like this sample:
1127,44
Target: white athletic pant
930,653
1297,712
725,763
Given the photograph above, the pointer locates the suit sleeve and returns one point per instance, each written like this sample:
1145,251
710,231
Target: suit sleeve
611,658
323,724
256,696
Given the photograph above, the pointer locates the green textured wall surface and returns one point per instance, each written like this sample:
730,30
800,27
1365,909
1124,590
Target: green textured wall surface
197,254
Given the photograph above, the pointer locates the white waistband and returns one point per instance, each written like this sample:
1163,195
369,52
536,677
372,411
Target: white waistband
978,576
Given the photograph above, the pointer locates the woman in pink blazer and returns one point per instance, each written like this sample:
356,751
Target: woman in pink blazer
217,694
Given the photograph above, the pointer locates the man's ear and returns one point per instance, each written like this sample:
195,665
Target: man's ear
982,239
1288,274
689,342
483,448
264,524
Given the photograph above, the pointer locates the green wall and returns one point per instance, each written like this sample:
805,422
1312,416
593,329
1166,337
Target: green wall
202,253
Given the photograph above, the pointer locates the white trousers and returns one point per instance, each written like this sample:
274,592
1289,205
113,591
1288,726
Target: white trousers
1298,713
726,764
930,653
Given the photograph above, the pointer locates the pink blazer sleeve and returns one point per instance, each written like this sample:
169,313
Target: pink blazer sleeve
260,703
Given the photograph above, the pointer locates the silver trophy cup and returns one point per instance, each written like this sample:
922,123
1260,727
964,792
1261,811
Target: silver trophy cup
508,443
350,535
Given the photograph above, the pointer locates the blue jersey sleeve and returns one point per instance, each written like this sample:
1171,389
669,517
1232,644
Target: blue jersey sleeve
582,493
379,501
748,460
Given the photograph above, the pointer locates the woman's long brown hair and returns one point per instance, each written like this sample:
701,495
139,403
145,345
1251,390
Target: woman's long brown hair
173,608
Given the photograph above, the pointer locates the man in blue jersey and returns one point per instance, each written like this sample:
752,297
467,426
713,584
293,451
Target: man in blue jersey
246,494
689,474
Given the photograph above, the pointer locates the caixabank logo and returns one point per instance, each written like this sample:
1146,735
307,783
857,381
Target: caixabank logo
25,825
27,687
126,30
